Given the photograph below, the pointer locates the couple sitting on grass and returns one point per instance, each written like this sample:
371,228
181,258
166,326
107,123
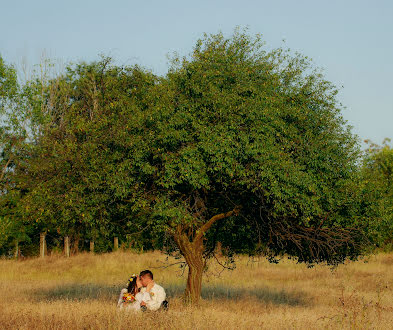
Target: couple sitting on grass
142,294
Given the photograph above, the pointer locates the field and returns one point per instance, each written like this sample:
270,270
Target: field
81,293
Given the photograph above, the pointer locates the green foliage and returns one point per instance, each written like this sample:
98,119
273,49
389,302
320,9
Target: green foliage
234,125
377,189
8,85
72,182
119,151
8,93
22,112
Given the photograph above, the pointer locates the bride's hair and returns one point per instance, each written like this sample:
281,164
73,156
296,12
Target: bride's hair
132,287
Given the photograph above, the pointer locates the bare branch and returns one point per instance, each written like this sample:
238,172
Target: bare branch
201,231
169,265
4,170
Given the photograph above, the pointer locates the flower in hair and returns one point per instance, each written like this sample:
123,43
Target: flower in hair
132,277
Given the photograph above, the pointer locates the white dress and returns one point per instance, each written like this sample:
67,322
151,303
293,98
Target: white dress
136,305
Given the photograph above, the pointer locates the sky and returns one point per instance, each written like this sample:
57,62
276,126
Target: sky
351,40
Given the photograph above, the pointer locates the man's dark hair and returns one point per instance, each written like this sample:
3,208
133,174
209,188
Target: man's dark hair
146,272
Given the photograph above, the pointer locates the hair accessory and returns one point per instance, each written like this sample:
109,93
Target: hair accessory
132,278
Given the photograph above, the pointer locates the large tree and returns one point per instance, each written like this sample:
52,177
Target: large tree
248,147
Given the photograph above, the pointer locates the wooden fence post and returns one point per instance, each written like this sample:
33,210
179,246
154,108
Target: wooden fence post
16,249
42,245
67,246
115,243
75,245
91,246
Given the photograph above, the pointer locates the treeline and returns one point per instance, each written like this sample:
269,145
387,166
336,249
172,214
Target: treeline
102,151
63,158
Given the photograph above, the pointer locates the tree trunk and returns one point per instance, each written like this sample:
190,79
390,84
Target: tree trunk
115,243
218,249
192,249
16,249
91,246
193,254
75,245
42,245
196,265
67,246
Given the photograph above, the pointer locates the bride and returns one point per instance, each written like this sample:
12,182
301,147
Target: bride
131,297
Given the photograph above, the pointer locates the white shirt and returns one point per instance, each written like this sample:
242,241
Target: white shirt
155,298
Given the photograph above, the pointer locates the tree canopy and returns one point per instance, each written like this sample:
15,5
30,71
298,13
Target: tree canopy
377,191
236,144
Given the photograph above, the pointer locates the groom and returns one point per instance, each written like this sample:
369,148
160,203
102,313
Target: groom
156,292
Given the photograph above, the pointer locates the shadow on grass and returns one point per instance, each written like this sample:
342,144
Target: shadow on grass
265,295
75,291
108,293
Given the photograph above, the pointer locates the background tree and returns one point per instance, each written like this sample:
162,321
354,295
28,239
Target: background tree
377,192
24,108
11,142
9,89
71,173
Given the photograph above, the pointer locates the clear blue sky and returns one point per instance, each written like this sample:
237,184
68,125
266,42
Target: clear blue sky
351,39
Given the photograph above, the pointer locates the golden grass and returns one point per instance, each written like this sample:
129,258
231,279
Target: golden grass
81,293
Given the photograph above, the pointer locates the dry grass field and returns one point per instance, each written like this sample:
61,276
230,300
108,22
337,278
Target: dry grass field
81,293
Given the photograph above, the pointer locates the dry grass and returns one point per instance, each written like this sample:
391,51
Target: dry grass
81,293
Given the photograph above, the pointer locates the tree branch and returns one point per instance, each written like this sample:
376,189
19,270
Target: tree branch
205,227
168,265
5,169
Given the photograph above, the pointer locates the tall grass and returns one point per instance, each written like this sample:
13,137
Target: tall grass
81,293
